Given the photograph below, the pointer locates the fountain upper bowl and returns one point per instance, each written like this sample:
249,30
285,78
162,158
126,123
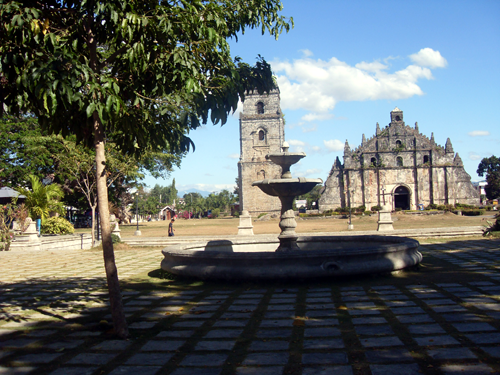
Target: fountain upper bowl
286,158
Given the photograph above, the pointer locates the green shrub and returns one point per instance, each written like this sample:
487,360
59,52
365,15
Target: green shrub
398,209
441,207
215,213
342,210
262,214
115,238
57,225
360,209
368,212
311,215
431,206
472,212
463,206
236,214
376,208
493,228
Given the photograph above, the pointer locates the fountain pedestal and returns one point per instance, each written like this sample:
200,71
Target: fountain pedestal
287,237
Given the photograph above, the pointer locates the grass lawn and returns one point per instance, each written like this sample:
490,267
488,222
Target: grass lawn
229,226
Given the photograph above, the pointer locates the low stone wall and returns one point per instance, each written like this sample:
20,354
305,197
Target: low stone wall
53,242
423,212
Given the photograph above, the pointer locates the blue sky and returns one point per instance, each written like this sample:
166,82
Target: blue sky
346,65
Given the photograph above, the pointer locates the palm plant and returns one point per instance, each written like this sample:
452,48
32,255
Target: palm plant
199,206
42,199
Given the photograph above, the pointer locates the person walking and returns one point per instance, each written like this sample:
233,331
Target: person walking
171,228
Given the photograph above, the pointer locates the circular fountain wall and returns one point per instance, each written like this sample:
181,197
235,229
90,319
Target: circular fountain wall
290,256
320,256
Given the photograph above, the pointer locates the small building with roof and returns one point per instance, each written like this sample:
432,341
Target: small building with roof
7,194
398,167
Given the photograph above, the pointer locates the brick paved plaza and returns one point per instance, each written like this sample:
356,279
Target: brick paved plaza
441,319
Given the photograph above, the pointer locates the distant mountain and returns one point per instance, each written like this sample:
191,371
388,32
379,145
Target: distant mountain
181,193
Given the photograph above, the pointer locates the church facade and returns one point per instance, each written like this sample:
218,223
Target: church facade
398,167
261,133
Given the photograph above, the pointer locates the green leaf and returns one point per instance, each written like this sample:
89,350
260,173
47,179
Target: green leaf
109,103
90,110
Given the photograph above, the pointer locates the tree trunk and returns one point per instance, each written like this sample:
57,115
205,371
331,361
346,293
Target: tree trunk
115,297
92,230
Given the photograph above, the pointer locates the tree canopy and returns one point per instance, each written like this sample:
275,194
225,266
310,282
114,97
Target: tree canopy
139,73
491,168
150,70
20,155
25,149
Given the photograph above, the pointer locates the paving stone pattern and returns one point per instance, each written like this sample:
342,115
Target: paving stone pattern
54,320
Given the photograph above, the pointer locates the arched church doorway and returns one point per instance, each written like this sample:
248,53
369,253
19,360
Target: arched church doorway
402,198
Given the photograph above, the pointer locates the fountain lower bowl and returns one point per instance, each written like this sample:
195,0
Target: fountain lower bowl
320,256
287,187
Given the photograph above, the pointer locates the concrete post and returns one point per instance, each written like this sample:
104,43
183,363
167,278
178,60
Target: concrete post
245,228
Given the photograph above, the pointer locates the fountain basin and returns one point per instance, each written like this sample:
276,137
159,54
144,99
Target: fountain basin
319,257
289,187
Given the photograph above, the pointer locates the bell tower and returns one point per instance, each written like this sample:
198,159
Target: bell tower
396,116
261,133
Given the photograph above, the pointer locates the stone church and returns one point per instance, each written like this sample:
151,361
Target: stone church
262,131
398,167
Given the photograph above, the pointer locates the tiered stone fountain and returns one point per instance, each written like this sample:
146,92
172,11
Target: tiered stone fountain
290,256
286,189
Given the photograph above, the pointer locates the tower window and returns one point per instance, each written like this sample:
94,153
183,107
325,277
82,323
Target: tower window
261,175
373,161
262,135
398,118
398,143
399,161
260,108
426,159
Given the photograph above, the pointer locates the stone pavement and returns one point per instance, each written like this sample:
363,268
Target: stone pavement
442,319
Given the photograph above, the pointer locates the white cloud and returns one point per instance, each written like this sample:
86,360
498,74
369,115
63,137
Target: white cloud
298,172
239,109
429,57
329,146
312,172
371,67
306,52
309,129
317,85
316,116
334,145
209,188
296,142
479,133
474,156
234,156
